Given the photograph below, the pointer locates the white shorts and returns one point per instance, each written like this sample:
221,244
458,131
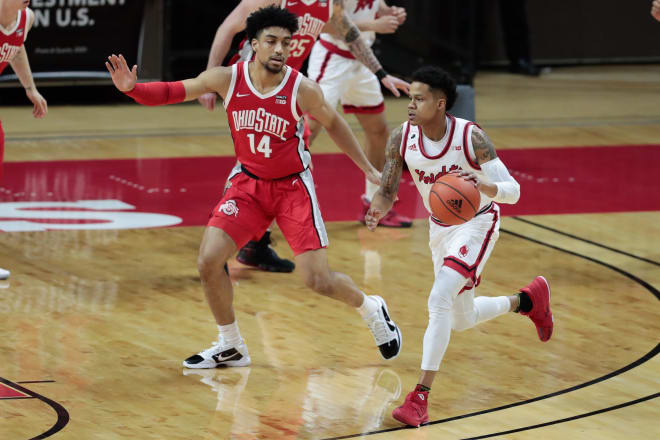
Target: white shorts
465,248
344,80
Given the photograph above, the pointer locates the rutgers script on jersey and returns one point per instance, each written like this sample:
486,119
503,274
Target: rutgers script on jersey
267,129
428,160
12,39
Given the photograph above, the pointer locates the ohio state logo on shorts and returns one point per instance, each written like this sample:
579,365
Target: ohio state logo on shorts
463,251
229,208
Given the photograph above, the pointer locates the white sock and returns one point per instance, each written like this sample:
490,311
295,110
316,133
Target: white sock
369,307
370,190
230,334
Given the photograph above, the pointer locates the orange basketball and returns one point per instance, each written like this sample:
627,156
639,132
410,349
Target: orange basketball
454,200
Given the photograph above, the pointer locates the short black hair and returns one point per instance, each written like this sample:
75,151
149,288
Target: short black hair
437,79
271,16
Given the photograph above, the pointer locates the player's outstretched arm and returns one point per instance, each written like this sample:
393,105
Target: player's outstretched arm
161,93
310,99
349,32
386,195
502,186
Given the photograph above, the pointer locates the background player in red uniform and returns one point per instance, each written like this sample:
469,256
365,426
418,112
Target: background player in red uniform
16,20
459,252
313,16
265,100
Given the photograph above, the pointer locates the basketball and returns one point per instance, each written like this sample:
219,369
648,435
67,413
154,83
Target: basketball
454,200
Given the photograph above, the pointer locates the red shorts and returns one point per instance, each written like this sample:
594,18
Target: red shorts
250,205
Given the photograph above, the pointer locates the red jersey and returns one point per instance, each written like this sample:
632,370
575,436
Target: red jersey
312,17
267,129
12,39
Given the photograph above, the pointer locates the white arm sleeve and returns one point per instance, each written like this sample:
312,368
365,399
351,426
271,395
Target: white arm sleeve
508,190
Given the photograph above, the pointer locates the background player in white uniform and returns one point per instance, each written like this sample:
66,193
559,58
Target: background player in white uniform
344,79
433,143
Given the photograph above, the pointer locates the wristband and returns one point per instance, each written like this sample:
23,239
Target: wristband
380,73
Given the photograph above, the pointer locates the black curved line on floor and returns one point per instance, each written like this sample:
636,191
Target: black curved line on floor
35,381
575,237
62,413
630,366
568,419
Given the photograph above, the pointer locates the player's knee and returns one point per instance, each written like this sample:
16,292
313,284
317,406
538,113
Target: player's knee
208,265
463,322
440,302
319,283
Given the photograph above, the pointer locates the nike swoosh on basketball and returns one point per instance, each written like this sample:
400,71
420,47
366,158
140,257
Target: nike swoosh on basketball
238,95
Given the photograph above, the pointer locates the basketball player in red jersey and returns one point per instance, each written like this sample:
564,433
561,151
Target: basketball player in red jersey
432,143
265,100
313,16
16,20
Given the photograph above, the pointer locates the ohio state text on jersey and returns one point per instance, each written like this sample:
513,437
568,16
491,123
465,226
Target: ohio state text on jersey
267,129
428,160
12,39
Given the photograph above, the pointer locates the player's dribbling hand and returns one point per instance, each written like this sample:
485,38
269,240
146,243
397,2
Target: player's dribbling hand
123,78
467,175
40,106
207,100
393,83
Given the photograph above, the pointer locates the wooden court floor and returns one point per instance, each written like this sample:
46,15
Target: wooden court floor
96,323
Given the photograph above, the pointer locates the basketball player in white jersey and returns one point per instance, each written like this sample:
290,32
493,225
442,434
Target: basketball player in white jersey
16,20
433,143
344,79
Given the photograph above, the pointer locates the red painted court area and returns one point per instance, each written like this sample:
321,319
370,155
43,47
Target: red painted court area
554,181
9,393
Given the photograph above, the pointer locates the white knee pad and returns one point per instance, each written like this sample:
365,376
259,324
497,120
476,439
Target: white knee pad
447,284
464,313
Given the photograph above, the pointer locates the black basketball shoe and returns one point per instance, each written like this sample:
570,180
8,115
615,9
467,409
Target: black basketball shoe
259,254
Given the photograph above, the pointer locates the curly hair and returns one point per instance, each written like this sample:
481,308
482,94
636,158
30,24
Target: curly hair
437,79
271,16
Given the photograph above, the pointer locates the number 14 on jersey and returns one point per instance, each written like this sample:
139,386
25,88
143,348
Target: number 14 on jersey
263,147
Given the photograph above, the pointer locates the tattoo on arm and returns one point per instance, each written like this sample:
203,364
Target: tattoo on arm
389,186
483,147
351,35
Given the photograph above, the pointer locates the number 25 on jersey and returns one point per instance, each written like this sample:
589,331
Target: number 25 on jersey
263,147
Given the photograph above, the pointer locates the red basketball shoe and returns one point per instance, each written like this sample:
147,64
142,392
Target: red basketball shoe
539,292
413,412
391,220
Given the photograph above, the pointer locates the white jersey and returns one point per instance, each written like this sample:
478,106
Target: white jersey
358,11
428,160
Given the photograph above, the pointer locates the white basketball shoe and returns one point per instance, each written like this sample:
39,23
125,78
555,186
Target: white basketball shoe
4,274
220,354
385,332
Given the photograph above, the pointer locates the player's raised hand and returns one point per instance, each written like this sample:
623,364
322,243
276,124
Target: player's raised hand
655,9
40,106
123,78
393,83
207,100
